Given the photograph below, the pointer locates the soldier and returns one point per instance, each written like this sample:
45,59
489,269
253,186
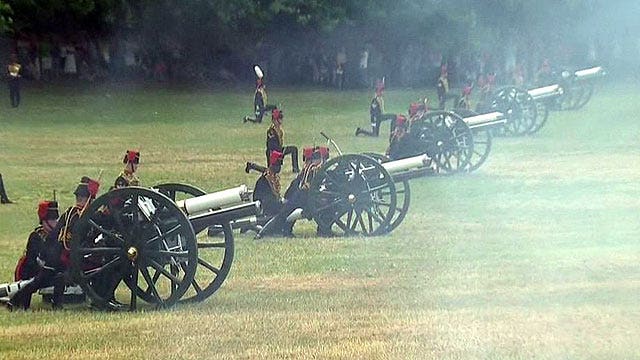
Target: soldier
443,87
275,140
28,265
55,250
376,111
296,195
464,102
4,199
128,175
267,188
398,141
13,74
544,76
260,106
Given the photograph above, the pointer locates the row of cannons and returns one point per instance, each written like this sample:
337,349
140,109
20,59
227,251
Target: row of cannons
174,243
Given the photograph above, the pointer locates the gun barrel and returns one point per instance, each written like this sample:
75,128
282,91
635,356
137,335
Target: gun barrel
589,73
546,92
205,203
204,220
415,162
484,120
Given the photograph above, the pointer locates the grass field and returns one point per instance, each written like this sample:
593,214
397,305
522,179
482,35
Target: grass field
536,255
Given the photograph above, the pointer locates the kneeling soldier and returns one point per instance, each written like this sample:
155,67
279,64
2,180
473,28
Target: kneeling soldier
296,195
29,266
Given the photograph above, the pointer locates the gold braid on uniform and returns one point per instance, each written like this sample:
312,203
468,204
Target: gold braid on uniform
131,178
278,132
380,103
13,69
308,173
65,235
274,182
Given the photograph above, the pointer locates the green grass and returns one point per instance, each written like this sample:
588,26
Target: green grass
534,256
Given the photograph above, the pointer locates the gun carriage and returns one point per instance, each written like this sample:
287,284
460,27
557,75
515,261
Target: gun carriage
151,242
455,143
528,110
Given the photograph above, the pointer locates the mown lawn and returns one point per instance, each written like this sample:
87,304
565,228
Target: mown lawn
536,255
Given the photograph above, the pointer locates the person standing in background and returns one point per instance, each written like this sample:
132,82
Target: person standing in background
13,74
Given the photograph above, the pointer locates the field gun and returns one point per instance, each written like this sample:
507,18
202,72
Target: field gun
528,110
455,143
151,243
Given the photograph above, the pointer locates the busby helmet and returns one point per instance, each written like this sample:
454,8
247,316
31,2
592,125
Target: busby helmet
400,120
379,87
277,115
48,210
443,69
131,156
466,90
315,153
87,188
121,182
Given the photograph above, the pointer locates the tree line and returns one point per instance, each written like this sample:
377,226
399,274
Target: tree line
214,39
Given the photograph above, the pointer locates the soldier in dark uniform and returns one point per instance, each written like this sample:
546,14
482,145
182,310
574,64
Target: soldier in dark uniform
4,199
131,162
463,104
376,112
260,105
443,87
267,188
296,195
275,140
13,74
28,265
55,250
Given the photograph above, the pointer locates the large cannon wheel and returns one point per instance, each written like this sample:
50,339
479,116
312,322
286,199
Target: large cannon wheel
133,242
444,137
518,107
353,195
215,254
542,114
577,94
403,195
482,140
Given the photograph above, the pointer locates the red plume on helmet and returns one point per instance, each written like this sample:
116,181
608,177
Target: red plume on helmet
87,187
277,115
48,210
132,156
379,87
443,69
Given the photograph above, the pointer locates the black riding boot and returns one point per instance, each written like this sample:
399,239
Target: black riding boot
4,199
253,166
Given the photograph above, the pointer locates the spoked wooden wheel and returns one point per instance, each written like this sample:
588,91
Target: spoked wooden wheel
353,195
519,108
542,114
133,243
482,140
403,195
215,254
577,94
444,137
